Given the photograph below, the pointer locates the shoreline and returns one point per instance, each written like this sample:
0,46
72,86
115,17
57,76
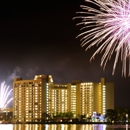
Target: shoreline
106,123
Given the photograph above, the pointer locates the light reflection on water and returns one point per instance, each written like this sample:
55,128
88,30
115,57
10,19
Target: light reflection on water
63,127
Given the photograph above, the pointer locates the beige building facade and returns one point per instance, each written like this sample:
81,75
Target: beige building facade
34,97
31,98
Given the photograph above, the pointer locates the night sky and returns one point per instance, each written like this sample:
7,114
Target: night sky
40,38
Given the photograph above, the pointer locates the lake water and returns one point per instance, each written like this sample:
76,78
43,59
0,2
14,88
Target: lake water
63,127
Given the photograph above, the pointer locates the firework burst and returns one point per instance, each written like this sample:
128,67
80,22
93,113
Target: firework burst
5,92
106,24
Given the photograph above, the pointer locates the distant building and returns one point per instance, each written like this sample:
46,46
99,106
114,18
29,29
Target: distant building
32,98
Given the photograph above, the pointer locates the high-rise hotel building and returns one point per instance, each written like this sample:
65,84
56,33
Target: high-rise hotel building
34,97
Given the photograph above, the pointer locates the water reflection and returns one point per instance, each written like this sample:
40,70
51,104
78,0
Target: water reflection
55,127
44,127
63,127
67,127
28,127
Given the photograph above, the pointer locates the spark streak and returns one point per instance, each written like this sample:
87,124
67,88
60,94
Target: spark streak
4,95
106,24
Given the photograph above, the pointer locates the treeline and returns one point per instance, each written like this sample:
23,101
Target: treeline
119,114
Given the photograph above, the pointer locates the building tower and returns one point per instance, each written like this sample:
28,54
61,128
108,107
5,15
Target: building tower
31,98
59,98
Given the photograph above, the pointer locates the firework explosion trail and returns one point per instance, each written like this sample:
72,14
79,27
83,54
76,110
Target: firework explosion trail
4,95
106,24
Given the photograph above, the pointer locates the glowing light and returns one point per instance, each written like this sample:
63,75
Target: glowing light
4,95
106,24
